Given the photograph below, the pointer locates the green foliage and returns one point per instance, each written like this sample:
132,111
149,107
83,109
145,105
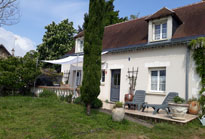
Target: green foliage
112,16
178,100
48,94
202,100
78,100
96,104
94,30
192,99
118,104
67,98
17,74
198,47
57,41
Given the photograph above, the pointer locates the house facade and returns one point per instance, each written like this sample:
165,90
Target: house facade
156,45
4,52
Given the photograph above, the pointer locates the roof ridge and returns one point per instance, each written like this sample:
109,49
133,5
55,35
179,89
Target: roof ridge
126,21
188,5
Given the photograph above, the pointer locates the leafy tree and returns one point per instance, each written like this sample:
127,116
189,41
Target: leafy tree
9,12
58,40
17,74
80,29
134,16
94,29
112,16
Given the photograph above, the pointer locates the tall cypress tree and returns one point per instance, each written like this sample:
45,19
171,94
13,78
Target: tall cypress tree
94,30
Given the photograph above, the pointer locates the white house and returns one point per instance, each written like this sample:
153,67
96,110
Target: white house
157,45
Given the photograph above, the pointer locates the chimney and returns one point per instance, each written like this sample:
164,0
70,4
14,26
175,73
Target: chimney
12,52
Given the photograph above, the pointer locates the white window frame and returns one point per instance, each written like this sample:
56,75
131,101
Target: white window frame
78,48
158,80
161,24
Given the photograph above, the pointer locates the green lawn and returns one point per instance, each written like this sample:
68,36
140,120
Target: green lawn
27,117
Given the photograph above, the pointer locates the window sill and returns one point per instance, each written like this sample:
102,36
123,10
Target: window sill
156,93
159,40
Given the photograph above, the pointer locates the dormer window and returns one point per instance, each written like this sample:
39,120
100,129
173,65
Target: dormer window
79,45
160,31
162,25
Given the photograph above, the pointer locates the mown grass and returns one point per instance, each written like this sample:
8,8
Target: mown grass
37,118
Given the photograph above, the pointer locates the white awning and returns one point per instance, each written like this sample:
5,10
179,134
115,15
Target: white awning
68,60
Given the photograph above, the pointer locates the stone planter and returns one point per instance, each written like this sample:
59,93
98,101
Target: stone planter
178,111
118,114
194,107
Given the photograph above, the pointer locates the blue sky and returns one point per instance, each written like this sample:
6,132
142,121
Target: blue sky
36,14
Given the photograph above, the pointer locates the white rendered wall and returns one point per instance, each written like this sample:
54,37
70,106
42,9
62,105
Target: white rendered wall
173,58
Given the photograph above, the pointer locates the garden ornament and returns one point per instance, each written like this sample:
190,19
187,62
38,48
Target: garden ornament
202,120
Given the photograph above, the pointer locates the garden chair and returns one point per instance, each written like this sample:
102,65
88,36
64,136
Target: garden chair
164,105
138,100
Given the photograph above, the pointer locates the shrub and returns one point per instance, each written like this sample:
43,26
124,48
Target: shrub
118,105
48,94
78,100
178,100
17,74
67,98
96,104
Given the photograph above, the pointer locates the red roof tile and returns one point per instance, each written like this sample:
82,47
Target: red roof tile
161,13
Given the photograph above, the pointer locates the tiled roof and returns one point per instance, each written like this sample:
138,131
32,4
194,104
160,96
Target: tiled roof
1,46
161,13
135,32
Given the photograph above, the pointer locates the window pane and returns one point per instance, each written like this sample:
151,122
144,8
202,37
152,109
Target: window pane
154,87
157,32
154,80
118,79
103,76
162,85
115,79
81,45
164,30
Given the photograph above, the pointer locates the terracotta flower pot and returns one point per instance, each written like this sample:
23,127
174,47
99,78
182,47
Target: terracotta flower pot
194,107
128,97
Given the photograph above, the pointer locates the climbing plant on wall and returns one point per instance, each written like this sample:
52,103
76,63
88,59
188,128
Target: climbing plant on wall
198,47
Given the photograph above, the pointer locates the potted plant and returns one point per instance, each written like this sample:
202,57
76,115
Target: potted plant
118,112
178,108
194,106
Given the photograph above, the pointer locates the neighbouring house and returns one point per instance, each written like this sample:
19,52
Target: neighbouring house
157,45
4,53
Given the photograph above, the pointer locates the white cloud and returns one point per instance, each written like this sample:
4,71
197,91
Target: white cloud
20,44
